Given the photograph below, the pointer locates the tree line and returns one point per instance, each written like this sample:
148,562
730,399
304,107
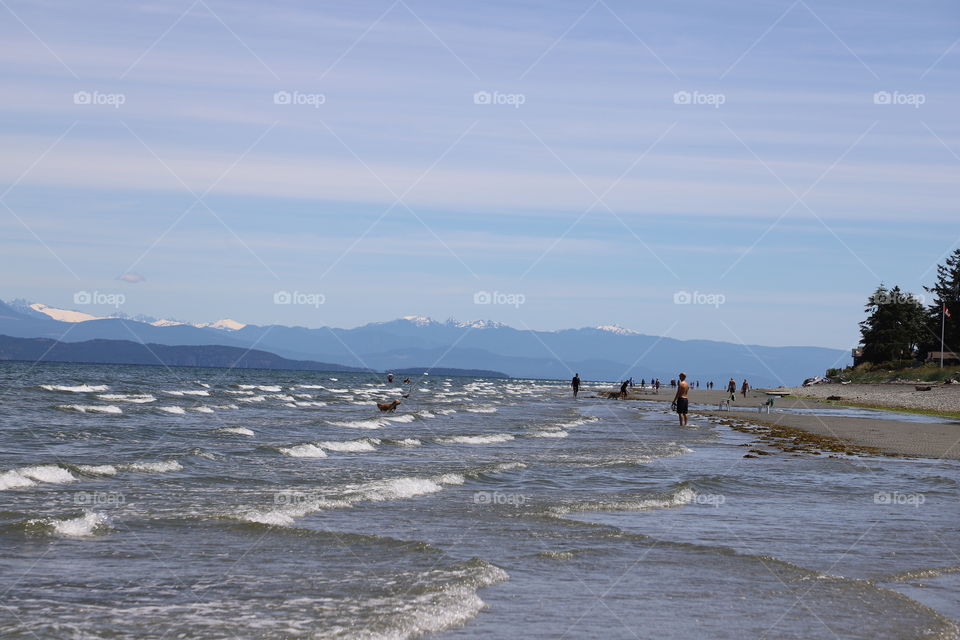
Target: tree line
900,328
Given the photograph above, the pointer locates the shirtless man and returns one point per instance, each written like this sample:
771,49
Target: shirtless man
681,400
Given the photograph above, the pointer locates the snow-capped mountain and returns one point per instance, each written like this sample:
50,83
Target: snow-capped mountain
63,315
605,352
620,331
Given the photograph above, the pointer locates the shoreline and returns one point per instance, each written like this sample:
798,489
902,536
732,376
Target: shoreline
816,434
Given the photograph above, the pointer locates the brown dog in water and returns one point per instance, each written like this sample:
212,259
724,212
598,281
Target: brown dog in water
388,406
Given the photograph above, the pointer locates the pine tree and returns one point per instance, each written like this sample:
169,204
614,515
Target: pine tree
895,326
945,291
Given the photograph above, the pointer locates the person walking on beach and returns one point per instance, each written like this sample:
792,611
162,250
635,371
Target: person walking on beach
623,388
575,383
656,386
681,400
745,388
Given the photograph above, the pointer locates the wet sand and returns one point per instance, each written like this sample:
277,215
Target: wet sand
807,433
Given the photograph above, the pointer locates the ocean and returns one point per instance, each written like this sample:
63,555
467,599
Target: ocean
143,502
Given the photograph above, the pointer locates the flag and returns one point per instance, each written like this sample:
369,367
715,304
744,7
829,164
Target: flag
946,311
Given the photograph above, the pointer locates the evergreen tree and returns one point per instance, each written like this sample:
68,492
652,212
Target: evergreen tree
895,326
945,291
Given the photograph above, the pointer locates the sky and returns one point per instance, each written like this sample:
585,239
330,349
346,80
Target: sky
743,171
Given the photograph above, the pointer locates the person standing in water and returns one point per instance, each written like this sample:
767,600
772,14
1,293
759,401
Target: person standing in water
681,399
575,383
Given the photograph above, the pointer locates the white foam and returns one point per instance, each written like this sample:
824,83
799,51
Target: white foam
139,398
81,527
154,467
371,423
270,388
339,390
364,444
80,388
399,488
13,480
188,392
202,409
483,410
301,403
446,412
252,399
224,406
238,393
304,451
91,408
179,411
409,442
242,431
559,433
490,439
426,414
97,469
50,473
406,417
310,386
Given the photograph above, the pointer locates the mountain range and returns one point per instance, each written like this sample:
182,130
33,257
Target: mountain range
607,352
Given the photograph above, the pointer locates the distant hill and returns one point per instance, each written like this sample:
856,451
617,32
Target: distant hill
128,352
415,343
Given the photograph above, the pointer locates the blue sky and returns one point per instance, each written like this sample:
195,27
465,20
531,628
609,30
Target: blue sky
628,152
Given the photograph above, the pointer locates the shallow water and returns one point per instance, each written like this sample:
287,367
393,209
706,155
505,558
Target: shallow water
139,502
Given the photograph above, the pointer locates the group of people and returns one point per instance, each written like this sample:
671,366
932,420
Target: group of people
681,399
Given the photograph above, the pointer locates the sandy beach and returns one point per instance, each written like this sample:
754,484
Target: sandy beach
829,433
941,397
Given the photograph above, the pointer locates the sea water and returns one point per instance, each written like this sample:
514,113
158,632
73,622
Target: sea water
143,502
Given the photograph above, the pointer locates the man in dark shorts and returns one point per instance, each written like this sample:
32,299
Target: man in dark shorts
575,383
681,399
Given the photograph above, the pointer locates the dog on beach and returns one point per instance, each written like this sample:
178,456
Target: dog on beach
388,406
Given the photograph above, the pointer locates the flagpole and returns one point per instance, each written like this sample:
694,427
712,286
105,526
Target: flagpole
943,324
